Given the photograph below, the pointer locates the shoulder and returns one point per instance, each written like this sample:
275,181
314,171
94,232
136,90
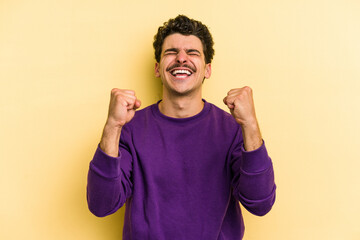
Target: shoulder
224,126
141,120
222,116
141,116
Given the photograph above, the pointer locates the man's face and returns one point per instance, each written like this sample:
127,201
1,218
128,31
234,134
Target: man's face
182,66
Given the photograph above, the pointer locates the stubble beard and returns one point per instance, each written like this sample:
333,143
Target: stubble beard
171,91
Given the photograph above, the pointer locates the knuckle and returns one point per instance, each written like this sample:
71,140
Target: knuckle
128,91
118,97
241,95
131,100
248,89
114,90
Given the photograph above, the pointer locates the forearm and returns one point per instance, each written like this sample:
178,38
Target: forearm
257,186
251,135
257,193
110,140
103,194
254,178
108,184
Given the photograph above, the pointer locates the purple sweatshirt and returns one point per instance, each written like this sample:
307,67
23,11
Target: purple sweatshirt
181,178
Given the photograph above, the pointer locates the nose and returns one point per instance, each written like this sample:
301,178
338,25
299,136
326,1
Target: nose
181,57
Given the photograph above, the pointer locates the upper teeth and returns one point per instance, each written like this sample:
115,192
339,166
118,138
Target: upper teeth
181,71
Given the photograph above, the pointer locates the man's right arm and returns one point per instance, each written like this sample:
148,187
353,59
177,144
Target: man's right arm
109,182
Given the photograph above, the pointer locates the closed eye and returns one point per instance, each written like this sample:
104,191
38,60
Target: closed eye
170,51
193,52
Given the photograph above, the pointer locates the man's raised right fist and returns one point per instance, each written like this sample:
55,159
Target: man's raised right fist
123,104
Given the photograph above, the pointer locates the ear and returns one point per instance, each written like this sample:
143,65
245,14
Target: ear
208,70
157,70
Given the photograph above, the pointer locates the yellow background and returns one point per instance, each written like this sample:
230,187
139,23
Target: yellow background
60,59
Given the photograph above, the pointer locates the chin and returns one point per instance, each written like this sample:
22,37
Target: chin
182,92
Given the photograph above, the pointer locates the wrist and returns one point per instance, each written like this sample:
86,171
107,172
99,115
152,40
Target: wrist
113,125
250,124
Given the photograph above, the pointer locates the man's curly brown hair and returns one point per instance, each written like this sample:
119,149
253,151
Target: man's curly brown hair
185,26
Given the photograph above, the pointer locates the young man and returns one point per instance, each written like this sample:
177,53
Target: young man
181,165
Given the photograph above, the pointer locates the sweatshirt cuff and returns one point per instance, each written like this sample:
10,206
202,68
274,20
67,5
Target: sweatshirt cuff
255,161
106,165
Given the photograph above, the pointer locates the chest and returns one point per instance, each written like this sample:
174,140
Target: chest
181,155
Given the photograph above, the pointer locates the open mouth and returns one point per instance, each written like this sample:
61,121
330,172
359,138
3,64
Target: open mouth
181,73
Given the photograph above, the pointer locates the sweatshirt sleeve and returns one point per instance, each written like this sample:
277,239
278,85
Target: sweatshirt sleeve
109,180
253,179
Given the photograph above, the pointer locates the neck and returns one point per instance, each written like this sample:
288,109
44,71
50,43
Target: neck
181,106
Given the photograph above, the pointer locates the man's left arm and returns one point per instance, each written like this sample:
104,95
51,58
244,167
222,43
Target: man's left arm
253,181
